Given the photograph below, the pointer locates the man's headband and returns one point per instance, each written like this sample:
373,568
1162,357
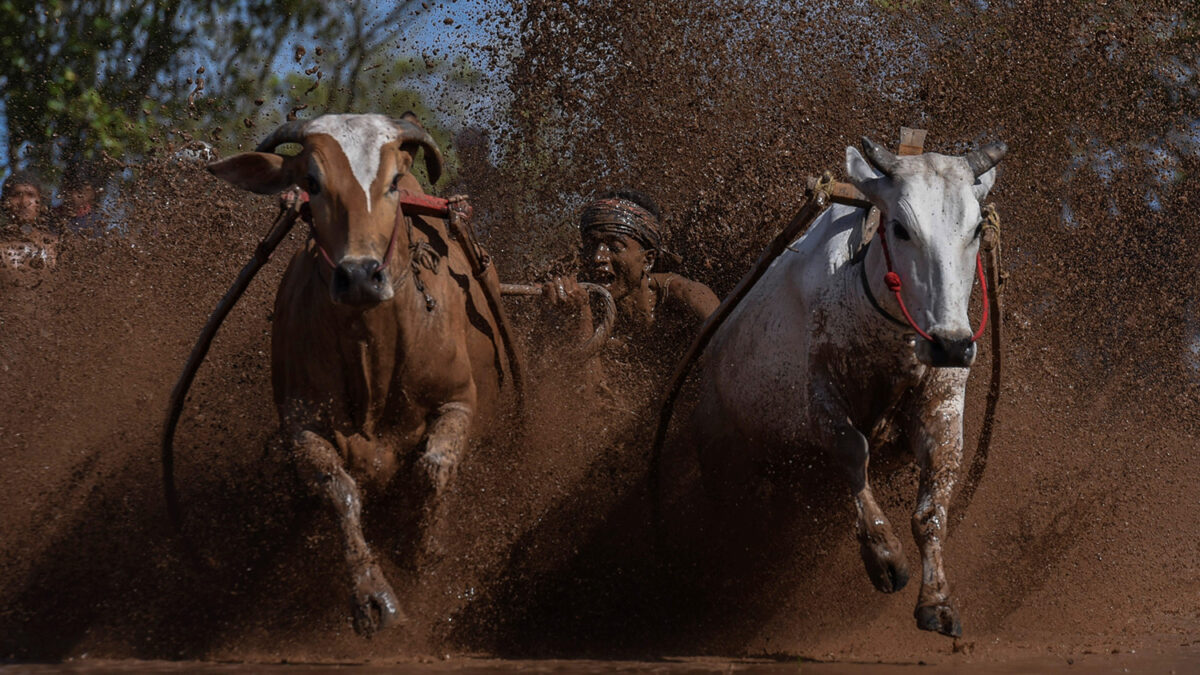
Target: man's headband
621,216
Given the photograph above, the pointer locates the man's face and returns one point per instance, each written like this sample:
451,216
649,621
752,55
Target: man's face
614,261
80,200
23,203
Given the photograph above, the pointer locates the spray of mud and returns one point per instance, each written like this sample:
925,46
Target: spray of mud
1082,536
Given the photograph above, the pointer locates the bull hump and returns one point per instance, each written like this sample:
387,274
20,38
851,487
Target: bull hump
360,138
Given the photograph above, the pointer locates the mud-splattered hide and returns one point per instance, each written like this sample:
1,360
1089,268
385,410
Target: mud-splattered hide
382,363
812,361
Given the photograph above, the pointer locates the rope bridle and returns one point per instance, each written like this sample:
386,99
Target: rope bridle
892,280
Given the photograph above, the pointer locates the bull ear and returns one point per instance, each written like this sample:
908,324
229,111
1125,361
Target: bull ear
863,174
983,184
261,172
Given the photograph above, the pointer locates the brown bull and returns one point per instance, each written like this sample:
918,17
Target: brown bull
385,356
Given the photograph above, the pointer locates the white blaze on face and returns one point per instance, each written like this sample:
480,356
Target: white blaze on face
360,137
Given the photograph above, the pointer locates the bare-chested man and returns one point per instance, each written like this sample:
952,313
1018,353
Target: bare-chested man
658,312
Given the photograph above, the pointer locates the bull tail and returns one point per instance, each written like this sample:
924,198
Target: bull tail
283,224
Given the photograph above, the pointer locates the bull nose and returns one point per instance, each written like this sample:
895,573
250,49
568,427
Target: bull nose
360,282
951,351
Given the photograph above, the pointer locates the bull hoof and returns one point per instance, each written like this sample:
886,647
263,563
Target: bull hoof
941,618
375,606
886,566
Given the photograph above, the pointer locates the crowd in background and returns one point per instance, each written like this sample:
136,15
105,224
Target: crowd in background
25,204
30,227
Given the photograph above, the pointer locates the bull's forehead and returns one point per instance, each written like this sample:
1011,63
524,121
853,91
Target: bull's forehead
360,137
934,189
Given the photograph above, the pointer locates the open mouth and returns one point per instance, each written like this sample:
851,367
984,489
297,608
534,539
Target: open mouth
601,275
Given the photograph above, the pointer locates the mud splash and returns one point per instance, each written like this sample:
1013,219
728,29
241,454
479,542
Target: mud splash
1081,538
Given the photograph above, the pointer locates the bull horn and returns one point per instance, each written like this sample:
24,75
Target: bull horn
982,160
879,157
289,132
411,131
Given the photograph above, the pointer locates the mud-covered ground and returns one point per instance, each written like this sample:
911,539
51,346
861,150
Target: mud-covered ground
1080,543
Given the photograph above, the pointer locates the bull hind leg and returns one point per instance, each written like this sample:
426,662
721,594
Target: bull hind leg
880,549
373,601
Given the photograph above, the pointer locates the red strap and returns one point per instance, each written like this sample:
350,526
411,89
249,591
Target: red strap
892,281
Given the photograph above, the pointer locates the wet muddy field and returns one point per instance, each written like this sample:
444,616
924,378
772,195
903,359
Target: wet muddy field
1081,544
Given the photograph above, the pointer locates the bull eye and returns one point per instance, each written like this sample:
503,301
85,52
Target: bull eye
978,229
395,183
900,231
313,185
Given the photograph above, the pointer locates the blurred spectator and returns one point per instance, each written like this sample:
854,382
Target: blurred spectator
78,214
22,202
24,240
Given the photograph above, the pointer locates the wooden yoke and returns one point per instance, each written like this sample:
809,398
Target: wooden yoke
912,142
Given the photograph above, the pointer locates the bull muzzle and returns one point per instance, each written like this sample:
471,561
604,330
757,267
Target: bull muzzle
360,282
946,351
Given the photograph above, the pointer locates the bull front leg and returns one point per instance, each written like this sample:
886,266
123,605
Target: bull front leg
446,441
878,545
320,467
937,445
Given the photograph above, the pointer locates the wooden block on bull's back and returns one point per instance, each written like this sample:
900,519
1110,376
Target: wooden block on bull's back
912,141
844,193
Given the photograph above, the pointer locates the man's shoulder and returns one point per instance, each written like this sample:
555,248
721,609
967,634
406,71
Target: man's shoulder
674,280
684,293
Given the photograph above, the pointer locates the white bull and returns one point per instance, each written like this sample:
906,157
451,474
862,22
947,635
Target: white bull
817,354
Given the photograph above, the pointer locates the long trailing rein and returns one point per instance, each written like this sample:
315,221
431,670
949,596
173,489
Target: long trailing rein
262,253
991,247
819,200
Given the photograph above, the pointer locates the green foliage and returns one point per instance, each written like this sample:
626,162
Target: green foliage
84,80
73,74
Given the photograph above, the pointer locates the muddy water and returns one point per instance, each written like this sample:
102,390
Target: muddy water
1146,661
1081,540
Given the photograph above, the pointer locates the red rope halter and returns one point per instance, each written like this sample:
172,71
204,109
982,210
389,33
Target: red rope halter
892,281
